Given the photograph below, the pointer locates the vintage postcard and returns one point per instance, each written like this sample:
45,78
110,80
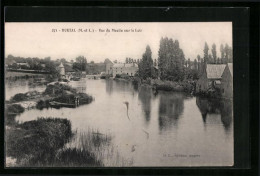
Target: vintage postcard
132,94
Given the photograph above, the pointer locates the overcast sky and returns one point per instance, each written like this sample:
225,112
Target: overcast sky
38,40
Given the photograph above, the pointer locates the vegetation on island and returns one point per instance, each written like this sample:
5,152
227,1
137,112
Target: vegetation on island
173,72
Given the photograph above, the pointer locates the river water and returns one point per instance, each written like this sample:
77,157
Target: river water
166,129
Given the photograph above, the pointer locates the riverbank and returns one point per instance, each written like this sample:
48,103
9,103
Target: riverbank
186,86
60,93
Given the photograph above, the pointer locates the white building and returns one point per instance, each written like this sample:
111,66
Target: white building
128,69
61,69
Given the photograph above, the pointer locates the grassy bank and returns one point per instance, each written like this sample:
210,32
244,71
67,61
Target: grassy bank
11,110
34,143
184,86
25,96
49,142
99,145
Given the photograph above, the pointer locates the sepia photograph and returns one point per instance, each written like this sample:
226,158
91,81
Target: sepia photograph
118,94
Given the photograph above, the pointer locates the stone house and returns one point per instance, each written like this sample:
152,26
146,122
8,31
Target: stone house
128,69
210,78
109,66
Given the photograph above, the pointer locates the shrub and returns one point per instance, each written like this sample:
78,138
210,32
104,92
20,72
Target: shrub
15,109
19,97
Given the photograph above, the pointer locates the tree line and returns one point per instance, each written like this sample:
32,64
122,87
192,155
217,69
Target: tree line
172,64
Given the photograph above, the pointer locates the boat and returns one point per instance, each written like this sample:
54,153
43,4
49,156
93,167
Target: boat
56,104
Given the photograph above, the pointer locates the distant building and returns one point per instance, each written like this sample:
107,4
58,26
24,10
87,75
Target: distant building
96,68
23,65
227,81
210,78
109,66
61,70
128,69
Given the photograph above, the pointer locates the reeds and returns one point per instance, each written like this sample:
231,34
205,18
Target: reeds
100,147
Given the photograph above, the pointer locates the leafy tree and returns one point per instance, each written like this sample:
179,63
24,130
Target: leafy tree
146,64
195,64
199,63
80,64
226,52
214,53
210,59
126,60
189,64
218,61
222,51
171,60
206,53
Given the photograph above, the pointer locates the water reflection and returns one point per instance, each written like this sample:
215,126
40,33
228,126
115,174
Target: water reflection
213,110
145,96
109,86
115,86
170,108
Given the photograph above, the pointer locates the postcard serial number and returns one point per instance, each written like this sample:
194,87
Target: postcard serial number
91,30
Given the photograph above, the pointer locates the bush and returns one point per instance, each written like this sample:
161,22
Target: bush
19,97
42,104
58,89
15,109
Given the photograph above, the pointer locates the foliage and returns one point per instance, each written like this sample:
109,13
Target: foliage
34,63
25,96
80,63
36,141
146,64
171,60
206,53
58,89
14,108
214,53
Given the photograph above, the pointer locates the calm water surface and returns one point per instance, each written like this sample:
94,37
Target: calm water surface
167,129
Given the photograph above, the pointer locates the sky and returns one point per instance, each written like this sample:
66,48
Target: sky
98,41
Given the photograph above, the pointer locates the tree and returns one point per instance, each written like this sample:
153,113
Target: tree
146,64
206,52
199,63
230,55
222,51
226,53
171,60
195,64
80,64
126,60
210,59
155,62
214,53
189,65
218,61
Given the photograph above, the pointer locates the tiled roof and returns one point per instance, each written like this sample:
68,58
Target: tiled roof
61,65
214,71
107,61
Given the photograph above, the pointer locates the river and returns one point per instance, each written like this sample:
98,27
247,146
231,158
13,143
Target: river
166,129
